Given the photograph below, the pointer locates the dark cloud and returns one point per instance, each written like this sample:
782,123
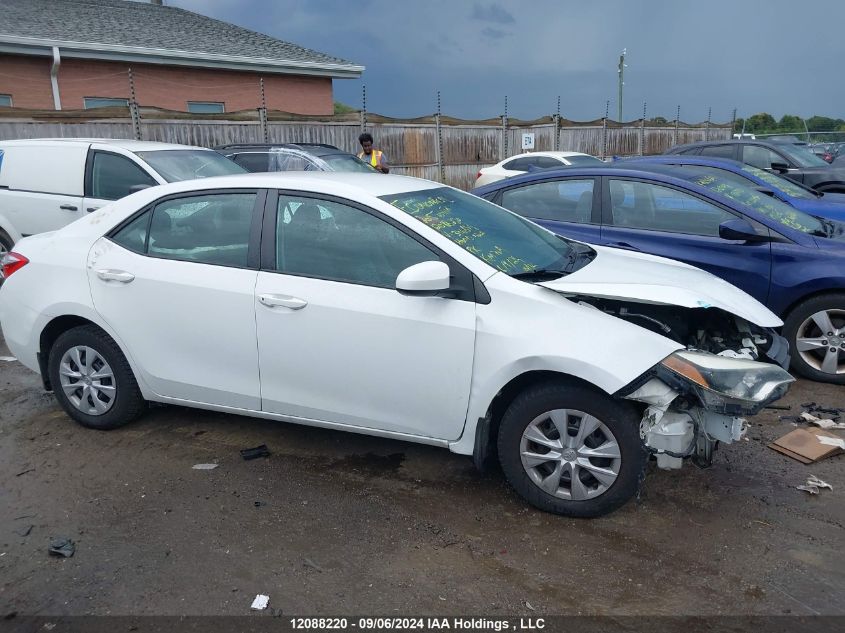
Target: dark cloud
492,13
494,34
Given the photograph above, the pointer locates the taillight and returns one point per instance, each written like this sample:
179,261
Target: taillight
478,175
12,262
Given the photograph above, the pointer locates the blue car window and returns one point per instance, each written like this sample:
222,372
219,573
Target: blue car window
640,205
558,200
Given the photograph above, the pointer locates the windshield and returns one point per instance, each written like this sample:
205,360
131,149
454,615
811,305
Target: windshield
504,240
346,162
175,165
582,160
802,156
763,204
781,184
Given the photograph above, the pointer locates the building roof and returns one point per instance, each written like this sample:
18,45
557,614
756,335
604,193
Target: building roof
150,33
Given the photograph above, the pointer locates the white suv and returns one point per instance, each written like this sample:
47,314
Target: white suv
48,183
395,307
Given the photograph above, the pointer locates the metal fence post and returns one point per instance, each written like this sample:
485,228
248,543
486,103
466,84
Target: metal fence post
557,126
363,108
441,169
642,132
504,144
134,112
733,123
677,122
262,114
707,125
604,131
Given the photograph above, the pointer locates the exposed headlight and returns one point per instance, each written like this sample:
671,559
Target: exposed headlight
726,385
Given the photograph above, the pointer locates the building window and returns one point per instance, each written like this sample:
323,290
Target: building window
105,102
206,107
5,101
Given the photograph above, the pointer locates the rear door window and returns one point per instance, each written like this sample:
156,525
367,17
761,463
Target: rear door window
558,200
253,161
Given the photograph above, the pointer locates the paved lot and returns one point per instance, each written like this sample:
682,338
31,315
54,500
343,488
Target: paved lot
358,525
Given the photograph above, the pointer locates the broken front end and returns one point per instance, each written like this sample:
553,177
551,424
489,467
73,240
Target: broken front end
700,396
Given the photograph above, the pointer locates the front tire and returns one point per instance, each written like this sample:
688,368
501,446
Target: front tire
815,330
92,379
571,450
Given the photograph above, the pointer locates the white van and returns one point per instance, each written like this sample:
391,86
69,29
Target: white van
48,183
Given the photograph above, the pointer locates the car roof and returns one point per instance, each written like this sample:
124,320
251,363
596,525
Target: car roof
665,173
127,144
353,185
318,149
703,161
726,141
552,154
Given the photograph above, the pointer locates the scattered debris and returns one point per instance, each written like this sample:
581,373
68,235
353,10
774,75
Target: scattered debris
310,563
825,424
204,466
779,407
808,445
23,472
813,484
528,604
62,547
8,359
255,453
258,504
260,602
24,531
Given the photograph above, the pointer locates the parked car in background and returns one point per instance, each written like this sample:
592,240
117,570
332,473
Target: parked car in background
48,183
825,205
395,307
293,157
784,138
790,261
522,163
825,151
791,161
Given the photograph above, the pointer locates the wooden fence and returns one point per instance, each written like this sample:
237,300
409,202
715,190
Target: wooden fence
437,148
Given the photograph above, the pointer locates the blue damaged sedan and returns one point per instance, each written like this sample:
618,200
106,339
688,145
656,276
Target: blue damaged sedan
789,260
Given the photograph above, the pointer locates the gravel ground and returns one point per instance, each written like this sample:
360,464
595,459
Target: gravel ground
338,523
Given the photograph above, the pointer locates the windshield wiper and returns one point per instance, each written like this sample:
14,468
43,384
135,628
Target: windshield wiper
539,274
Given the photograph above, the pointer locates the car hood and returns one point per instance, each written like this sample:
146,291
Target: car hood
620,274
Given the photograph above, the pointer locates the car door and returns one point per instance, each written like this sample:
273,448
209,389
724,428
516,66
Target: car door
662,220
337,342
176,283
764,158
110,176
566,206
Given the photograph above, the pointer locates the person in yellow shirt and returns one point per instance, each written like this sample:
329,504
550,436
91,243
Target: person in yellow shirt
374,157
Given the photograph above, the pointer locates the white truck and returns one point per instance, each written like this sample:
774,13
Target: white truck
48,183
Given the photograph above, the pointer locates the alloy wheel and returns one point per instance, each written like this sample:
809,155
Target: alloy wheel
87,380
570,454
820,341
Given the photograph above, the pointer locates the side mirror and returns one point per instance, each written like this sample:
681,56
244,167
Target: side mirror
780,167
137,188
425,279
741,230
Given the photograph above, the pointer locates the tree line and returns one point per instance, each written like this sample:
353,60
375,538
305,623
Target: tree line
765,123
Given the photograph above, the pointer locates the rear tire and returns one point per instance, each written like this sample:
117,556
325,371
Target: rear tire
92,380
814,328
571,450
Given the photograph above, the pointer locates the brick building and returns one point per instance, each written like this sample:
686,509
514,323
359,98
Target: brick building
74,54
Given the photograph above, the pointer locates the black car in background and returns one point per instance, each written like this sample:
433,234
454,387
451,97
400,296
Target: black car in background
260,157
795,162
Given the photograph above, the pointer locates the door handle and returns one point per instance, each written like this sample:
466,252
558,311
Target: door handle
69,207
91,209
282,301
107,274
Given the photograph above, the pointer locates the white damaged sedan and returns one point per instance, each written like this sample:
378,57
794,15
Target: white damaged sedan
395,307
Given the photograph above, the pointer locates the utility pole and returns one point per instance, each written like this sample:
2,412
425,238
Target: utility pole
621,71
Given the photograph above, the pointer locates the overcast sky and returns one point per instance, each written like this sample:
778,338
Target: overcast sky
779,56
